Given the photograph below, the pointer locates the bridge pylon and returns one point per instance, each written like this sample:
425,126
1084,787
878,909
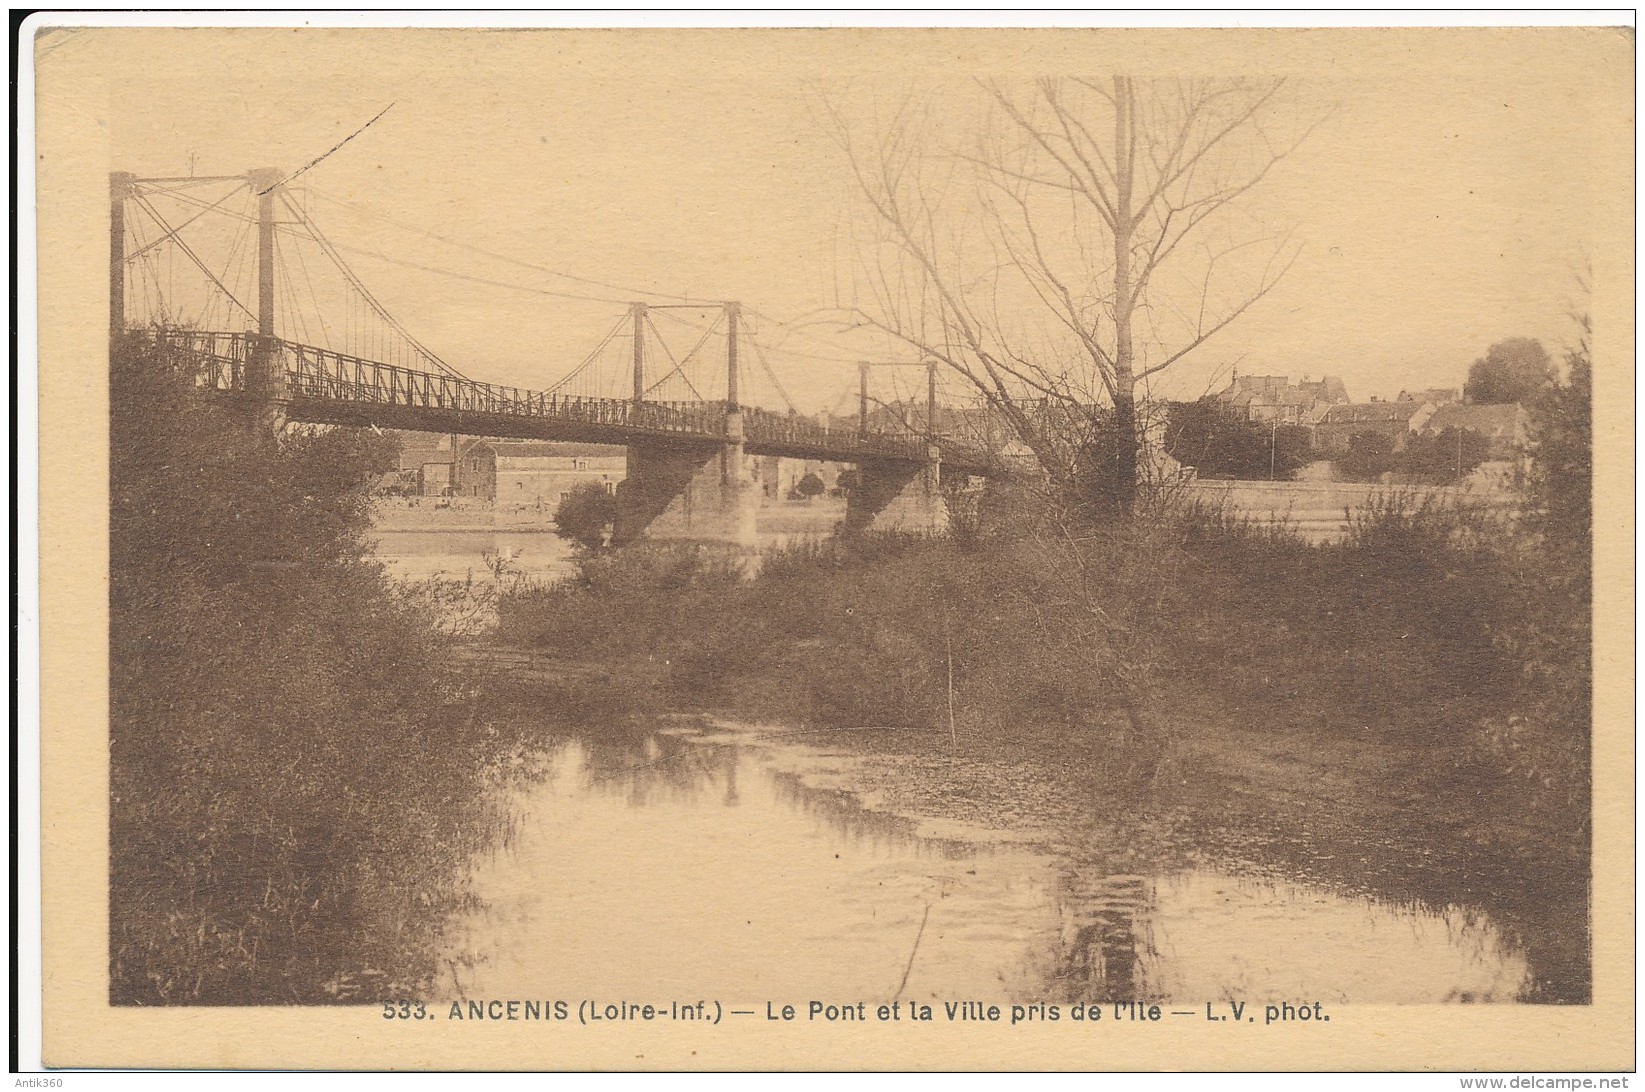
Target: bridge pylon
898,496
688,493
691,492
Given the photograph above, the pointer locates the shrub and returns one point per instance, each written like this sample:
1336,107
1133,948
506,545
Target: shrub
295,779
1221,443
1369,456
1451,454
586,515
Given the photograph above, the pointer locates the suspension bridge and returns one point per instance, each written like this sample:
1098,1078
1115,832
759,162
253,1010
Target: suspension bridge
314,345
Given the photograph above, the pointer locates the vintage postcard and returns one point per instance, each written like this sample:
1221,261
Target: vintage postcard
924,549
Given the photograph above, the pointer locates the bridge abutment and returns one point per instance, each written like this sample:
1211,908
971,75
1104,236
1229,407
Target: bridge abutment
688,494
898,496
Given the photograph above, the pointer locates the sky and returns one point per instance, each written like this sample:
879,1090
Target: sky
1453,197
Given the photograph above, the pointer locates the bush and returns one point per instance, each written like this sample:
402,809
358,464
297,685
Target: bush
1370,455
1545,741
586,515
1221,443
1446,457
295,778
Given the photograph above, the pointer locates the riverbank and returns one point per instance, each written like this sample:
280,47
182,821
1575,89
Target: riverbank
1328,711
466,515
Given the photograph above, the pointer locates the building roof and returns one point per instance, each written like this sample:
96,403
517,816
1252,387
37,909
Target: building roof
1258,384
547,449
1278,390
418,448
1492,422
1439,396
1360,412
1327,388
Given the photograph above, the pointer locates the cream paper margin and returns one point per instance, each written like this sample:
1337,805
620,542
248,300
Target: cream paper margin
82,1030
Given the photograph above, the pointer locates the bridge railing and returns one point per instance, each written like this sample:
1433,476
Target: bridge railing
767,427
221,361
215,360
312,372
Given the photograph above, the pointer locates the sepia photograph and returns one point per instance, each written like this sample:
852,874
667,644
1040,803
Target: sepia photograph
801,545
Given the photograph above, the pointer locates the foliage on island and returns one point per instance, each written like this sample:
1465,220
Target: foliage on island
295,772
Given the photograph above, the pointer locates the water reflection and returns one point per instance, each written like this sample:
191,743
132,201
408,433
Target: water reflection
660,864
1205,935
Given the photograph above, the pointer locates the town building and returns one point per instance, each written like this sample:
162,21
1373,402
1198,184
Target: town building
424,463
1505,428
1396,420
536,473
1439,396
1274,399
779,478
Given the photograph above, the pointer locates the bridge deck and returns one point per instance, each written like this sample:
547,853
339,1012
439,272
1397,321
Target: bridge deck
328,387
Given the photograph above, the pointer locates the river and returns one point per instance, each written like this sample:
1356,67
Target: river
693,860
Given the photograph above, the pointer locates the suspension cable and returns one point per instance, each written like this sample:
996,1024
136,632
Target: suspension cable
589,359
184,224
359,286
161,220
633,293
775,382
679,365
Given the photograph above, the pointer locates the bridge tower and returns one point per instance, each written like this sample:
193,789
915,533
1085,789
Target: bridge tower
264,382
121,186
266,373
684,490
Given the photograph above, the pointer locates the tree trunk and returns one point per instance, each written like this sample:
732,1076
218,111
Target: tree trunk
1123,488
1124,464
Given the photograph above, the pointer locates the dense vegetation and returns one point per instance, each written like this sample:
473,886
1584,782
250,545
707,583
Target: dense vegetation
1118,644
294,773
1438,459
1515,370
1221,443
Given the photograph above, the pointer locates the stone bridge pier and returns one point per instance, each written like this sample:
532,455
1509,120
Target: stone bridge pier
898,496
689,493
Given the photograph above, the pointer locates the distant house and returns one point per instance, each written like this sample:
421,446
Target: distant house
538,473
1274,399
530,472
434,479
1328,390
1439,396
1395,420
1506,428
425,462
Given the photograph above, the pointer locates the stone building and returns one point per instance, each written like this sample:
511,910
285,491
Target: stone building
1506,428
1274,399
537,473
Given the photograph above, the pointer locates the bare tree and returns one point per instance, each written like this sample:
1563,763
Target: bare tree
1074,240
